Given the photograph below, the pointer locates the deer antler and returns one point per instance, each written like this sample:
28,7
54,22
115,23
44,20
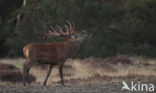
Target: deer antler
57,31
71,28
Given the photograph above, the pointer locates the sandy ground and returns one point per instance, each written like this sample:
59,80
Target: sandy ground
85,88
77,88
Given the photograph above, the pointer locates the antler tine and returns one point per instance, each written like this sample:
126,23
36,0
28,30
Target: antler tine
70,27
52,29
67,29
59,29
51,32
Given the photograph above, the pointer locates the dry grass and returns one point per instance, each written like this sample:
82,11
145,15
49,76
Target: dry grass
17,62
96,70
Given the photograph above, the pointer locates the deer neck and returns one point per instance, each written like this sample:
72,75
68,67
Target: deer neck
71,47
70,44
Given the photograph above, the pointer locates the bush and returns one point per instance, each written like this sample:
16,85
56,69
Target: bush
115,28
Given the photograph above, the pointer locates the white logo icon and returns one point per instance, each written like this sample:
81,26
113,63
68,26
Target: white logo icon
137,86
125,86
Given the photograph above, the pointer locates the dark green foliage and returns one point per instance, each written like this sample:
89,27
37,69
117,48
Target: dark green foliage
7,7
3,39
114,28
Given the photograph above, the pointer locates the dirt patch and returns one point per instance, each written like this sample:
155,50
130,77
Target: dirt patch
109,60
7,67
107,78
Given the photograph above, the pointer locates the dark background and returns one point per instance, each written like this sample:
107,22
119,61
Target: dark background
115,27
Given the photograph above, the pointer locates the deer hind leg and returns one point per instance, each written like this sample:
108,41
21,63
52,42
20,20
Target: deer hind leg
50,68
26,69
61,73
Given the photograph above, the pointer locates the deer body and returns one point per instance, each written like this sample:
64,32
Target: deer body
51,53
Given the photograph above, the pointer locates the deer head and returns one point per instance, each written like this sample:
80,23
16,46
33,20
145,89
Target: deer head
70,33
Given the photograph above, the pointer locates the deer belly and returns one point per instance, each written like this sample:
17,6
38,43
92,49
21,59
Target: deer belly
44,60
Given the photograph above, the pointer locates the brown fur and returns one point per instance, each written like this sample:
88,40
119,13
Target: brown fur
52,53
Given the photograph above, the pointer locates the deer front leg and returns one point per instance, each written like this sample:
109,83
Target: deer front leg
26,68
50,68
24,76
61,73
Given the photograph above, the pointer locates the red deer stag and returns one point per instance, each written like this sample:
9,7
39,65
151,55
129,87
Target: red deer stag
53,53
